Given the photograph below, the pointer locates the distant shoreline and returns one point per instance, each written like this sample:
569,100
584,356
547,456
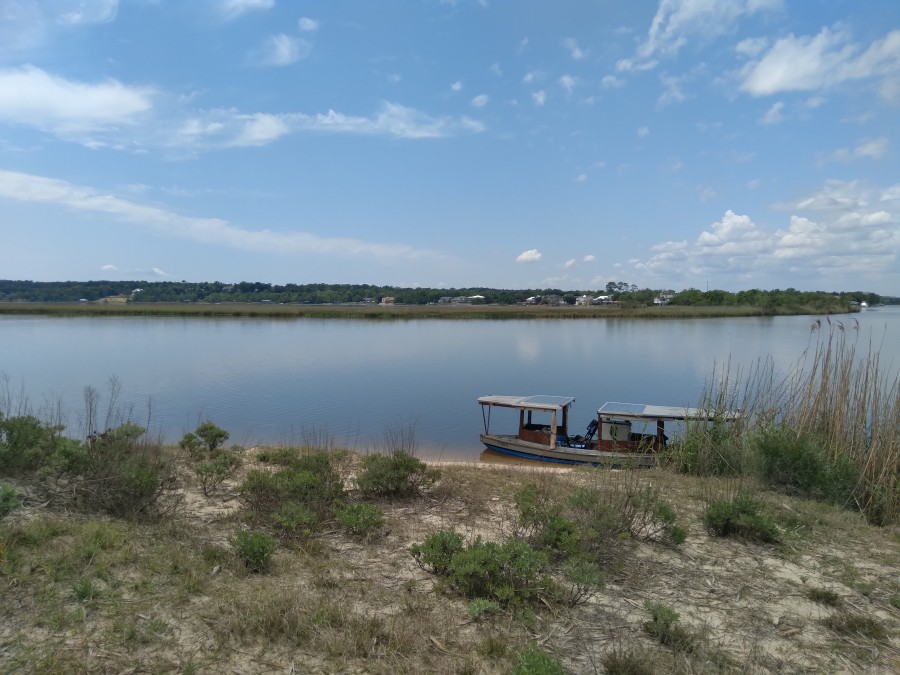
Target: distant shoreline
394,312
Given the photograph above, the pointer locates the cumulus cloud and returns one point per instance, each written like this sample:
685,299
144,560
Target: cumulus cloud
308,25
823,61
456,86
539,97
32,97
672,92
281,50
215,231
86,12
612,82
846,232
480,101
678,21
569,263
529,256
589,258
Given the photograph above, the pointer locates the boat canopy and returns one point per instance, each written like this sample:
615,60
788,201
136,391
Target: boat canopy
549,403
641,412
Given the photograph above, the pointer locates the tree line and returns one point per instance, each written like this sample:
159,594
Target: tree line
623,293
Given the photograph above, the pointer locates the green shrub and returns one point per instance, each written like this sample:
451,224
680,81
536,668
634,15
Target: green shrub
255,549
799,464
212,473
511,572
26,443
311,481
211,436
436,552
192,444
651,516
585,578
742,517
396,475
360,520
296,520
543,524
535,661
619,662
85,590
9,501
664,627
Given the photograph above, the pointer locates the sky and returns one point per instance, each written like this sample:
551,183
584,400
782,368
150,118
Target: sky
729,144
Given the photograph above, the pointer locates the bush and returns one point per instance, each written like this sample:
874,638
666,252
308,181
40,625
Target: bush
708,448
799,464
743,518
511,573
298,498
9,501
396,475
212,473
543,524
125,475
436,552
480,607
211,436
360,520
663,625
26,443
255,549
585,578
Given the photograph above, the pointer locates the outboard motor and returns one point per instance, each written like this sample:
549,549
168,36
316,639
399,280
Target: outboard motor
591,430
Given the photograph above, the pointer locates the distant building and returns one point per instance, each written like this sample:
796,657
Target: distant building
602,300
663,299
387,300
583,300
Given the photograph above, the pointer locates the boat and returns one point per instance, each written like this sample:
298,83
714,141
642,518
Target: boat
544,430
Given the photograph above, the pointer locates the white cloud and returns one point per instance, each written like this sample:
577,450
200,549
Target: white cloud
569,263
823,61
568,83
532,76
672,92
457,86
866,148
86,12
109,268
705,193
581,178
158,272
232,9
643,132
496,69
261,129
31,97
612,82
539,97
773,115
678,21
308,25
480,101
281,50
214,231
574,50
751,46
846,234
529,256
589,258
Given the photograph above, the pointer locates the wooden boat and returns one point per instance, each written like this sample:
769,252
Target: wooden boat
543,432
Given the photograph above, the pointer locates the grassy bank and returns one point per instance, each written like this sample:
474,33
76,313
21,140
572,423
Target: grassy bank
395,312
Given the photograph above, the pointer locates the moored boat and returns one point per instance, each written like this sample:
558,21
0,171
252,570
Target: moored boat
543,430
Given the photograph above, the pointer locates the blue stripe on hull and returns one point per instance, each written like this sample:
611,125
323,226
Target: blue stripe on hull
540,458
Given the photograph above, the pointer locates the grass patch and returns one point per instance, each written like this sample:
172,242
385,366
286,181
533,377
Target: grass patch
665,628
741,517
852,624
255,549
823,596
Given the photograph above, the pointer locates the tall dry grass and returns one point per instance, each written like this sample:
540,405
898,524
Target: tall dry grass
838,405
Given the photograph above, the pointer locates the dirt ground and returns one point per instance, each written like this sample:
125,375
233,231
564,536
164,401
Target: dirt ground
81,594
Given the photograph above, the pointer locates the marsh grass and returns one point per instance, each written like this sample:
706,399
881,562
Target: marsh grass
825,430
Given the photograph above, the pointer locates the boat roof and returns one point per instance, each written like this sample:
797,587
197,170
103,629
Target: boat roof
642,411
539,402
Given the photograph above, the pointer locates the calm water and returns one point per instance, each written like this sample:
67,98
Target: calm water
273,381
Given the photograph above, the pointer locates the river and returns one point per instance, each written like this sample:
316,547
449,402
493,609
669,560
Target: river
354,381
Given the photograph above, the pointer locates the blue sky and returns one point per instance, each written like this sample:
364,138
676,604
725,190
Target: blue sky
732,144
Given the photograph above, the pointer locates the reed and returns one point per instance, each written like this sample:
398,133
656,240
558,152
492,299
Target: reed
828,428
